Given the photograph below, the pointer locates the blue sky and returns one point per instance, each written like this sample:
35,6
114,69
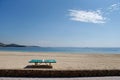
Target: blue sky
60,23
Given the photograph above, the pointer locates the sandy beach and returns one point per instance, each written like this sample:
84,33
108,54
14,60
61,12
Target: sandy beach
19,60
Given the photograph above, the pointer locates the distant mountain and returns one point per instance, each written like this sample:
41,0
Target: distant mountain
15,45
2,45
11,45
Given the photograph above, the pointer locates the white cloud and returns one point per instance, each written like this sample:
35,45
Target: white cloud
114,7
87,16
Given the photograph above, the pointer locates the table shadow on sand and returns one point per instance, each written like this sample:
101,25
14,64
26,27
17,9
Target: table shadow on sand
38,66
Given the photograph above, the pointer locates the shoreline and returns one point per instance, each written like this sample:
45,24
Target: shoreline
91,53
67,50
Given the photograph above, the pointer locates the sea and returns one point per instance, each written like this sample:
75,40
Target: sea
80,50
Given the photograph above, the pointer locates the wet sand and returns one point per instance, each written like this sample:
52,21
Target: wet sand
65,61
